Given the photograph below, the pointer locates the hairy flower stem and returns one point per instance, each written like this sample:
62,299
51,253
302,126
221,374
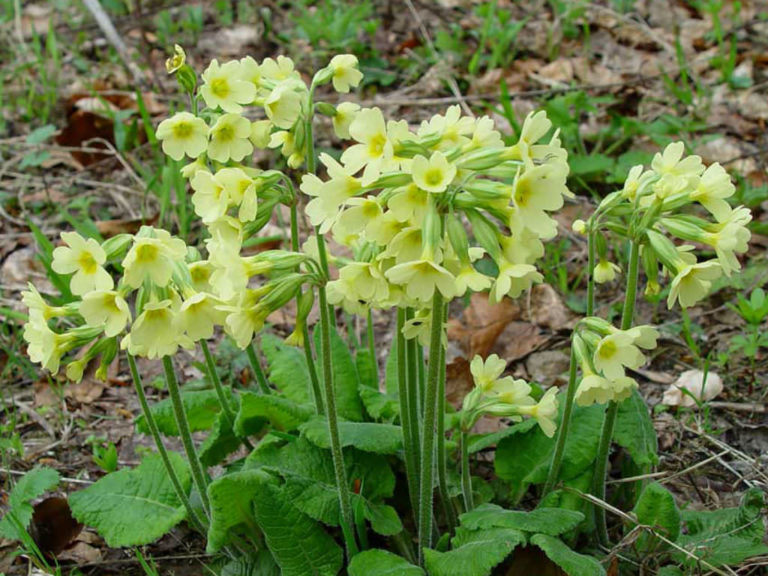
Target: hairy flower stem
466,477
426,487
372,343
604,447
562,430
442,465
347,519
414,401
253,358
198,475
177,487
591,273
410,450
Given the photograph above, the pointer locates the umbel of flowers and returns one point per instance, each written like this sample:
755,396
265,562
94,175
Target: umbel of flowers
428,214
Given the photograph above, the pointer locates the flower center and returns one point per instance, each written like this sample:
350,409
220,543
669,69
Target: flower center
522,194
376,145
182,130
225,133
146,253
434,176
220,87
87,263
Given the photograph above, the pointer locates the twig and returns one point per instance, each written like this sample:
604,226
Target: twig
104,22
64,479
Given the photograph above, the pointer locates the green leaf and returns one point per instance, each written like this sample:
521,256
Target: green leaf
366,368
221,442
588,165
382,563
572,563
299,544
634,431
136,506
479,442
384,519
257,409
31,486
40,135
656,508
551,521
345,380
201,407
476,553
380,405
231,499
725,536
366,436
524,457
287,368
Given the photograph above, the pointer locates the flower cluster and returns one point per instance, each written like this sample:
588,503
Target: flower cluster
604,353
166,298
653,208
422,208
499,396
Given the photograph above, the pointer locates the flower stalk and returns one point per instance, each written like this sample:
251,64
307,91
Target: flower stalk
196,521
406,422
606,435
426,488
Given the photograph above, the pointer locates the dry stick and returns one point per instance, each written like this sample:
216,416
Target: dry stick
104,22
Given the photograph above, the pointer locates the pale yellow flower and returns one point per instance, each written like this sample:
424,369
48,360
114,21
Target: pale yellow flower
156,332
421,278
210,199
345,72
605,271
692,283
83,258
283,105
223,86
713,188
246,317
105,308
183,133
176,61
434,174
616,352
345,114
278,70
597,389
200,314
486,372
153,258
230,138
545,412
374,150
44,346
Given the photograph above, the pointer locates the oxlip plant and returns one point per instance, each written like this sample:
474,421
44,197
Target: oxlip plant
320,449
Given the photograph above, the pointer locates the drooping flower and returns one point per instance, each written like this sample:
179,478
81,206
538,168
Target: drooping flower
156,331
692,283
345,114
105,308
153,258
545,412
345,72
420,279
605,271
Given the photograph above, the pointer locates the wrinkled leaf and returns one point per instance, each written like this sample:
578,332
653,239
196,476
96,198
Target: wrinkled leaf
572,563
366,436
287,368
634,431
382,563
476,553
551,521
135,506
31,486
257,409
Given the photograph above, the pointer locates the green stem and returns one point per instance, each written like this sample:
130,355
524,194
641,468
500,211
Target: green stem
191,513
414,414
562,431
294,225
466,477
253,358
317,393
372,343
606,435
198,475
410,450
426,487
213,375
591,273
442,465
419,354
347,519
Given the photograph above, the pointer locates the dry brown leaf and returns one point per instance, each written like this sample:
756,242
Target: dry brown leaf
109,228
547,366
517,340
85,391
482,324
